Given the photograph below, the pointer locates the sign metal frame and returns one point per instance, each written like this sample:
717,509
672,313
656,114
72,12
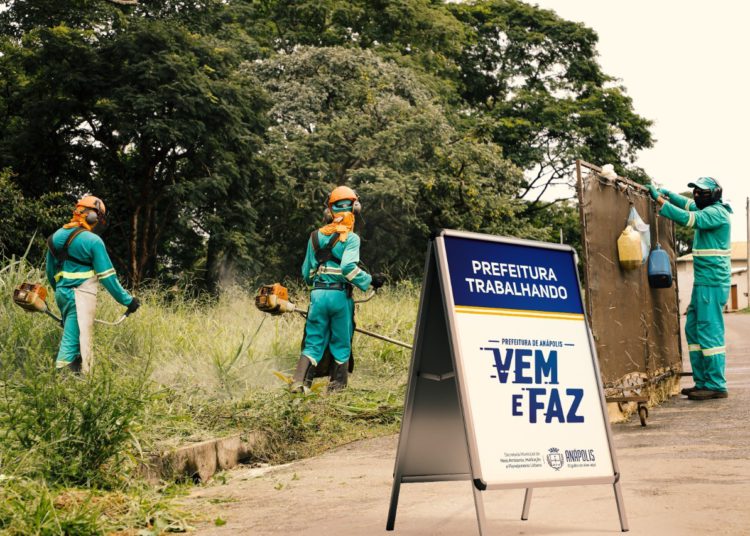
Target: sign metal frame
436,411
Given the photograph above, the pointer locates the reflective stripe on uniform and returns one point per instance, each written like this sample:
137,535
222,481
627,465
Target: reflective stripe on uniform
694,347
74,275
691,220
714,351
351,275
106,273
328,270
687,203
712,253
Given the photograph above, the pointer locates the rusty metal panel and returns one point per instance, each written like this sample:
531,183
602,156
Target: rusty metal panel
636,328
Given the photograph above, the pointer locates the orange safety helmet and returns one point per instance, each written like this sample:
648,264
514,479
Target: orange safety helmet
94,209
342,193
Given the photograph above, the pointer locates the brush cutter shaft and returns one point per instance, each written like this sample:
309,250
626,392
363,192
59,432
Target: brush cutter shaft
383,338
53,315
104,322
366,298
369,333
115,323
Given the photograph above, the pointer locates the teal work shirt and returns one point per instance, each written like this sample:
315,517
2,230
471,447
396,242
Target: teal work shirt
89,248
712,246
332,272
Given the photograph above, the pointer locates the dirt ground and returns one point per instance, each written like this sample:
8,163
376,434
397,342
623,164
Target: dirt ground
686,473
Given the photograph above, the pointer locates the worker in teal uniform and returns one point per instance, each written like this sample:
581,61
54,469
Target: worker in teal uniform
331,269
704,328
76,260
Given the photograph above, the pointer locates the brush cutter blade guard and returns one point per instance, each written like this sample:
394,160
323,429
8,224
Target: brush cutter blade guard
274,299
31,297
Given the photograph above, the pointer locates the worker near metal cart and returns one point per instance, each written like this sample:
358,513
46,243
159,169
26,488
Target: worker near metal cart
704,328
76,260
331,269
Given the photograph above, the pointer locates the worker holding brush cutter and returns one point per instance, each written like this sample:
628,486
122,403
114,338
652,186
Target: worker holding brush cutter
76,259
331,269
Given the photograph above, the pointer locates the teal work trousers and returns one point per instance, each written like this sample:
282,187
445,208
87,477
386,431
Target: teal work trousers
329,323
704,331
70,345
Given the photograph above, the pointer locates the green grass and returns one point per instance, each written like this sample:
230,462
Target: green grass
177,371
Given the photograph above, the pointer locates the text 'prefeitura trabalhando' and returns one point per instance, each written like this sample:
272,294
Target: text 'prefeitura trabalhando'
537,281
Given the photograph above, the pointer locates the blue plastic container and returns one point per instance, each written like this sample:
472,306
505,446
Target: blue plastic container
659,268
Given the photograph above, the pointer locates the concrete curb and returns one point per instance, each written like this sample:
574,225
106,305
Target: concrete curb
200,461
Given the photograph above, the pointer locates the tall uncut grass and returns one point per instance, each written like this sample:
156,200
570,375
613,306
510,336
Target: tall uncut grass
179,370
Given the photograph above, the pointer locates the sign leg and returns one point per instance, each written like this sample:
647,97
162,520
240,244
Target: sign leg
621,507
479,504
526,504
394,502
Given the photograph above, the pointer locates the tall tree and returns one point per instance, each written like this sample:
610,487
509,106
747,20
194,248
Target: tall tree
151,116
344,116
535,86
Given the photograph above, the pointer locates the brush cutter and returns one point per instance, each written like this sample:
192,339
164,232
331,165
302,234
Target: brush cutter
32,297
274,299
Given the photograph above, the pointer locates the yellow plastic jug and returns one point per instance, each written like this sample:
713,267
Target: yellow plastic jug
629,249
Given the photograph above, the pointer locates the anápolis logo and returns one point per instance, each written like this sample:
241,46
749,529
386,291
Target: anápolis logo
555,459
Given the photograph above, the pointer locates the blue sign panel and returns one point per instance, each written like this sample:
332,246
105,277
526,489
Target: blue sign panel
512,276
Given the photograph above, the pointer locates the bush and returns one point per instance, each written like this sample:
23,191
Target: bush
70,427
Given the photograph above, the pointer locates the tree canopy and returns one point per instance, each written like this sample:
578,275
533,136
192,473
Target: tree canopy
214,129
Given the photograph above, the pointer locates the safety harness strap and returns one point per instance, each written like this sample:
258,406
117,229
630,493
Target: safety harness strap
63,254
324,254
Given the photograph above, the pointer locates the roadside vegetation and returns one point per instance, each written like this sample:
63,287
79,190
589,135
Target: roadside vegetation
214,131
179,370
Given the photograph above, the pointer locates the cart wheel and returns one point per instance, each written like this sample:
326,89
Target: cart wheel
643,414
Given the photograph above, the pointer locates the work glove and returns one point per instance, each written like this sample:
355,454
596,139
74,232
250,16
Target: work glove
378,280
664,191
653,191
133,307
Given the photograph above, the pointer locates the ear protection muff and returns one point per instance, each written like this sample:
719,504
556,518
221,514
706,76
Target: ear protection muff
327,216
92,218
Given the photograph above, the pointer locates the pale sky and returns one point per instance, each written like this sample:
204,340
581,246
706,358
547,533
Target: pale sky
684,65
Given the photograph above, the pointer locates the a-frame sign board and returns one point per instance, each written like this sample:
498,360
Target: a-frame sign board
504,388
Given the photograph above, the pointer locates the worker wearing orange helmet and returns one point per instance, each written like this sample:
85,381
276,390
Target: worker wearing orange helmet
331,269
76,260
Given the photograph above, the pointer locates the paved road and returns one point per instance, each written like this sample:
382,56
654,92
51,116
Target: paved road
686,473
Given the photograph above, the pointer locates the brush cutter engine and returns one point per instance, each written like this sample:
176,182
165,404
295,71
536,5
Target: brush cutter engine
274,299
31,297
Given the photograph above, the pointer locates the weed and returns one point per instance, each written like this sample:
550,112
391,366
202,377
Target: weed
180,369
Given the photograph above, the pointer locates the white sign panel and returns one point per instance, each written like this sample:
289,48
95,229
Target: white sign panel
527,375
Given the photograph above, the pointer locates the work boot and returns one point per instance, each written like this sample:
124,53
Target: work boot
339,376
75,366
303,375
707,394
71,369
687,390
